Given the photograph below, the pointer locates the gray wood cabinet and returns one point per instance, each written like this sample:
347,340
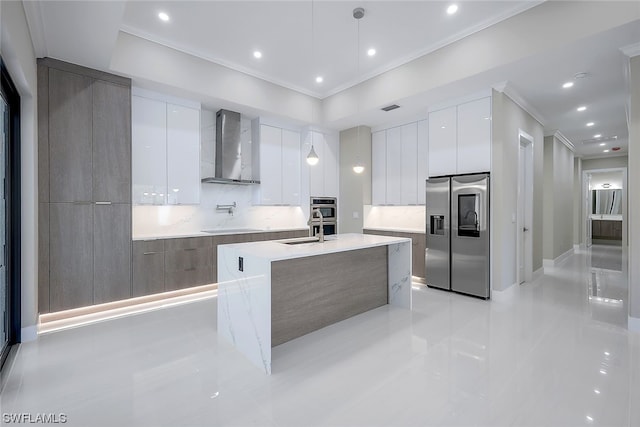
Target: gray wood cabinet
606,229
188,262
71,255
111,252
148,267
418,246
70,136
111,142
84,167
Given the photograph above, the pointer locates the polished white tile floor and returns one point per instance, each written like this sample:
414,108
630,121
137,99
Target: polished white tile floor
555,352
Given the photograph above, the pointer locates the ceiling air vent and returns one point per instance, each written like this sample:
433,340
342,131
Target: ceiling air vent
390,107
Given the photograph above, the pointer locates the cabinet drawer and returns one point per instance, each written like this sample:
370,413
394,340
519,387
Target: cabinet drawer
188,259
188,243
188,278
148,267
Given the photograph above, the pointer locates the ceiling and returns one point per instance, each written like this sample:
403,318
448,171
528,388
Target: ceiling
228,32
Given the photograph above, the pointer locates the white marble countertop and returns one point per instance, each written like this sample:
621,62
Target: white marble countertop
276,250
212,232
602,217
399,230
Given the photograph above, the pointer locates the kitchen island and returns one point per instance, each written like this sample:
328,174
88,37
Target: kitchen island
272,292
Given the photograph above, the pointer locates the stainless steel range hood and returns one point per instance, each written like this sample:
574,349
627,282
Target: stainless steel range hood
229,156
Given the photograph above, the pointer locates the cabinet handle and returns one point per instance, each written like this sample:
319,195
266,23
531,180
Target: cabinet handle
190,269
151,253
81,202
190,249
103,203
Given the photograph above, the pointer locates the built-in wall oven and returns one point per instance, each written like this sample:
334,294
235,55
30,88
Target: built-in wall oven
328,207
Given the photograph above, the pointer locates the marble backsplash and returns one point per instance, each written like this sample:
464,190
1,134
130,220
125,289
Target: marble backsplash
402,218
169,220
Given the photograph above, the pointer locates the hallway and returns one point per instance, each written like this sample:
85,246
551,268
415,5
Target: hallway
555,352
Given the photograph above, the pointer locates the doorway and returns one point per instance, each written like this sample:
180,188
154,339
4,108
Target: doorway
525,208
604,215
9,214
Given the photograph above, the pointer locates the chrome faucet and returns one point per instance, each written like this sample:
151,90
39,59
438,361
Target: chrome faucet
321,228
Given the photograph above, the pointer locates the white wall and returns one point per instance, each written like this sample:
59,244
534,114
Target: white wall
17,52
508,120
558,217
605,163
634,194
355,189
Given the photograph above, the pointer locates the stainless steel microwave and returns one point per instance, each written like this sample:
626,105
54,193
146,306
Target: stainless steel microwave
328,207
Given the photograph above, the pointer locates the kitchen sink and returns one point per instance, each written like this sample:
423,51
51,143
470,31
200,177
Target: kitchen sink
299,240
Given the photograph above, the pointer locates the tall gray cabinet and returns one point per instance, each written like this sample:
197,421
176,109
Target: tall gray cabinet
84,151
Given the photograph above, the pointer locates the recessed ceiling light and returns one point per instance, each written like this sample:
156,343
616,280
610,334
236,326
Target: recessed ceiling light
602,144
590,124
605,151
597,135
582,108
452,9
371,52
257,54
163,16
319,79
596,391
567,85
442,127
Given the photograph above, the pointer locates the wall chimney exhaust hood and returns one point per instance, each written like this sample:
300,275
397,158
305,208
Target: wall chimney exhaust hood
232,164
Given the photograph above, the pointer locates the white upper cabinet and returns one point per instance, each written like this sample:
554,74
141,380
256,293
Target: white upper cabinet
166,151
323,177
183,152
409,165
442,142
474,136
149,145
394,165
396,157
460,138
279,167
379,167
290,167
423,166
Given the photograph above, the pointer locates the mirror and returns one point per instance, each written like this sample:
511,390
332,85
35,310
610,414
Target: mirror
606,202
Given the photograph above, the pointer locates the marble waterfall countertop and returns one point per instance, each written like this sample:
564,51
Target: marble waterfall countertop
275,250
246,311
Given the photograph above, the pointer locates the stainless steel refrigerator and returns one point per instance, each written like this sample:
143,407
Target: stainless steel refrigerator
457,255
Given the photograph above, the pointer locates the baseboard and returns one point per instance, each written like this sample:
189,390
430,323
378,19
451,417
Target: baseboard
537,274
30,333
550,263
505,295
563,257
634,324
576,248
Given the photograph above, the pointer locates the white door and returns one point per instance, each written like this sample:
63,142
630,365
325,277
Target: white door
522,226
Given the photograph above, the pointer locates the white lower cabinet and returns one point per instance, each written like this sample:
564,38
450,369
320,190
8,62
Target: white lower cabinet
279,167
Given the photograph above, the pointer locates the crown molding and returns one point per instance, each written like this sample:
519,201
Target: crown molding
33,13
559,136
631,50
507,89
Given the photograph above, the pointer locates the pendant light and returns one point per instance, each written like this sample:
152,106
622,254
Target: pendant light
312,157
358,13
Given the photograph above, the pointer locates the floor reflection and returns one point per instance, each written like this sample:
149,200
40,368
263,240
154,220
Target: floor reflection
607,284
